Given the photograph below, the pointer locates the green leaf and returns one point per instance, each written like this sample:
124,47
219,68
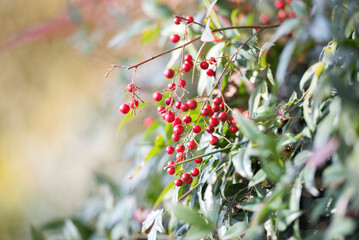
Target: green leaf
251,205
284,60
300,9
212,14
122,38
36,234
70,231
163,193
190,216
242,163
301,158
249,130
314,69
209,205
341,227
262,58
154,219
155,10
264,112
334,175
285,140
259,177
235,230
309,179
255,97
285,28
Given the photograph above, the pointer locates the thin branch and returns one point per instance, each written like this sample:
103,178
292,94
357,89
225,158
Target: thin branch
185,44
203,155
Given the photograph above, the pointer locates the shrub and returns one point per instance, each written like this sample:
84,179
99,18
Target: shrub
267,147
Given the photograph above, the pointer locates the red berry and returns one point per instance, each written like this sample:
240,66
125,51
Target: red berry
186,67
246,115
198,160
213,121
178,104
176,121
185,177
170,150
233,128
169,73
170,163
171,86
191,144
210,73
187,119
210,112
217,101
264,18
161,109
169,101
182,83
178,182
238,110
223,116
184,107
148,121
171,170
231,120
194,172
204,65
291,14
133,103
205,112
210,129
214,140
189,181
197,129
211,60
192,104
180,156
177,20
178,129
221,106
175,38
175,137
189,19
180,148
131,87
188,57
124,108
279,4
289,1
282,15
170,117
215,108
157,96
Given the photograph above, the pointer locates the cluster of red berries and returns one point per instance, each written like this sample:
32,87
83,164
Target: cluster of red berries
177,112
133,103
284,11
177,20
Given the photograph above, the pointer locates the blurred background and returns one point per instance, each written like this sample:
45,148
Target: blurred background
58,112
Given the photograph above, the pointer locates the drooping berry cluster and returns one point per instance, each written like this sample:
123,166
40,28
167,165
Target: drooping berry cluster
177,109
134,101
284,11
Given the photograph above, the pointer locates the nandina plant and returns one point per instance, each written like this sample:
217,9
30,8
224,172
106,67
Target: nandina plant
267,148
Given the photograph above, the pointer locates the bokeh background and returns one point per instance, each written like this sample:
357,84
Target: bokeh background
59,114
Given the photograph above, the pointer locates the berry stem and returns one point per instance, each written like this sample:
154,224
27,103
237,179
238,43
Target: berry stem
229,146
193,40
191,22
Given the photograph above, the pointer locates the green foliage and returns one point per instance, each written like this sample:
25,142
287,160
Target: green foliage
291,172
